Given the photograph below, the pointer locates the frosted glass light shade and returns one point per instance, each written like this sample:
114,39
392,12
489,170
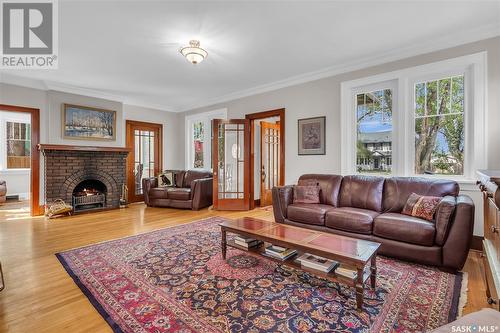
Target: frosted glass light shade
194,53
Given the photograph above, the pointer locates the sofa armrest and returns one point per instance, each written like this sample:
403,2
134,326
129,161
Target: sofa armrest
444,217
282,197
147,184
457,245
201,193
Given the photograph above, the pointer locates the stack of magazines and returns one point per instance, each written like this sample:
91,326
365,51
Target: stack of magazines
316,262
346,272
246,242
279,252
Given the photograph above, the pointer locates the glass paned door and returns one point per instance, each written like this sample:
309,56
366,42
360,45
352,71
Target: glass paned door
231,164
144,160
270,161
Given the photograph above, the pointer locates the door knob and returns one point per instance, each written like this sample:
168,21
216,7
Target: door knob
494,229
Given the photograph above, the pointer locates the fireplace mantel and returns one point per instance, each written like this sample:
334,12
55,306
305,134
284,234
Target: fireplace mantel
43,147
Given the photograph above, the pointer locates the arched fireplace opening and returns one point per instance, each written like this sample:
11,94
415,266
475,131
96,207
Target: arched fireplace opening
89,194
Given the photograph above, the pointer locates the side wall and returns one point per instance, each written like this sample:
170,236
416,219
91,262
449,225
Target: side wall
322,98
50,105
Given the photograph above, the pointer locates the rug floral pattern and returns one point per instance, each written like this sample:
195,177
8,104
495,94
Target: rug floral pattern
174,280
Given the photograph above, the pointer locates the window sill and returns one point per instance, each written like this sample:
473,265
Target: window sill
14,171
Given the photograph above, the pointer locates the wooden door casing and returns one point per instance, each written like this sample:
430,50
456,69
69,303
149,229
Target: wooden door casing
220,198
131,126
269,160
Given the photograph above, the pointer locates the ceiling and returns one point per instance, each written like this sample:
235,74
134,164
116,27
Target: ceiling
130,49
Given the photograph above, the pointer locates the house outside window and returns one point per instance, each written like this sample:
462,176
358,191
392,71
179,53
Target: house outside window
18,145
435,126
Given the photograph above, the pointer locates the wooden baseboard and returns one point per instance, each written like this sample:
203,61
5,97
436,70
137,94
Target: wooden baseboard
257,202
477,243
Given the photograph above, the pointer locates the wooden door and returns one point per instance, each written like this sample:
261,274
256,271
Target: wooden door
269,160
231,159
145,159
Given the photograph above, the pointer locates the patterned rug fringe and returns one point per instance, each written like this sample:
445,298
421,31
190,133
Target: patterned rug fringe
462,301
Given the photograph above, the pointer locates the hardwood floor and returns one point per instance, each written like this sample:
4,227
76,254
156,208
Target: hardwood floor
41,297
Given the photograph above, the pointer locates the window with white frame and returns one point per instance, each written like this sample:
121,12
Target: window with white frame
18,141
199,139
430,121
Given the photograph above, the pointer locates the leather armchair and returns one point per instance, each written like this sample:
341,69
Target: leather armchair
3,191
193,190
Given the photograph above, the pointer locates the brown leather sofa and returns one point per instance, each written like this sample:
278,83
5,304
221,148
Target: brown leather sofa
193,190
370,208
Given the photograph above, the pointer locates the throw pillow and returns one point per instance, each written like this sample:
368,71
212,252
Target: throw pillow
421,206
306,194
166,179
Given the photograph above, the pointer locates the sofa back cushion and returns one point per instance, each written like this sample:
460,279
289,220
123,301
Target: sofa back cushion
193,175
329,184
397,190
363,192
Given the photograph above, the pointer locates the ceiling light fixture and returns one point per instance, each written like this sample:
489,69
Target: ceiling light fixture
194,53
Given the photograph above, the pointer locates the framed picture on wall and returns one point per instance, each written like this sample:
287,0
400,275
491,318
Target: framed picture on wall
312,136
87,123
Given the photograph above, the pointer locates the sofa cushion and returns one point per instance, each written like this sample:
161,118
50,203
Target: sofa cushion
363,192
404,228
397,190
193,175
308,213
306,194
158,193
179,193
421,206
351,219
329,184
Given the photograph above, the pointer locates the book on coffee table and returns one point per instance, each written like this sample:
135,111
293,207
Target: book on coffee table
316,262
246,242
279,252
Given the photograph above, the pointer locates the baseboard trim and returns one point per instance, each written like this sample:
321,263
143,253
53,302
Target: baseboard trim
477,243
257,202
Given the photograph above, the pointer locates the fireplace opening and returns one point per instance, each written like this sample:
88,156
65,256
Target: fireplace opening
88,195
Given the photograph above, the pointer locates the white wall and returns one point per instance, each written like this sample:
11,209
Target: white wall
322,98
18,180
50,105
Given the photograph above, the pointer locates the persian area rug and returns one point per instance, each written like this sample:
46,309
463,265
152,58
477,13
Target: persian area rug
174,280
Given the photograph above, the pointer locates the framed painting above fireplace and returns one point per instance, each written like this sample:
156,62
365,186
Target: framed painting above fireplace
87,123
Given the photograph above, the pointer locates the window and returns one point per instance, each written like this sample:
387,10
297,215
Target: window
374,131
425,121
199,139
18,145
439,126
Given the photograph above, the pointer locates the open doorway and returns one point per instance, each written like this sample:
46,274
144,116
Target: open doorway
267,155
19,162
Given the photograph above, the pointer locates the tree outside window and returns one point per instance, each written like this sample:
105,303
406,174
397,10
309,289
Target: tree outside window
198,137
18,145
439,126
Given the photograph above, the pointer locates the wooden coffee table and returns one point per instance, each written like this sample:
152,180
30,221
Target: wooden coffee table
352,253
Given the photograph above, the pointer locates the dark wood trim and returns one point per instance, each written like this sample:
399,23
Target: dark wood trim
477,243
35,207
43,147
130,125
256,202
261,115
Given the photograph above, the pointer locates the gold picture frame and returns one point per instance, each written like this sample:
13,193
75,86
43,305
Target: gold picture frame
88,123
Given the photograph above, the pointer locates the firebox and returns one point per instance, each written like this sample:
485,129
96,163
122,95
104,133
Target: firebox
89,194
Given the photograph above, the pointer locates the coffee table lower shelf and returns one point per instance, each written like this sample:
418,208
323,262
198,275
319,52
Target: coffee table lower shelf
291,262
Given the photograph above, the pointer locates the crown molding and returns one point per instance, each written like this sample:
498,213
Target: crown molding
47,85
434,44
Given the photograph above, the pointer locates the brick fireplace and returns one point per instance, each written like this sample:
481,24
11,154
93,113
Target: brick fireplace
87,177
